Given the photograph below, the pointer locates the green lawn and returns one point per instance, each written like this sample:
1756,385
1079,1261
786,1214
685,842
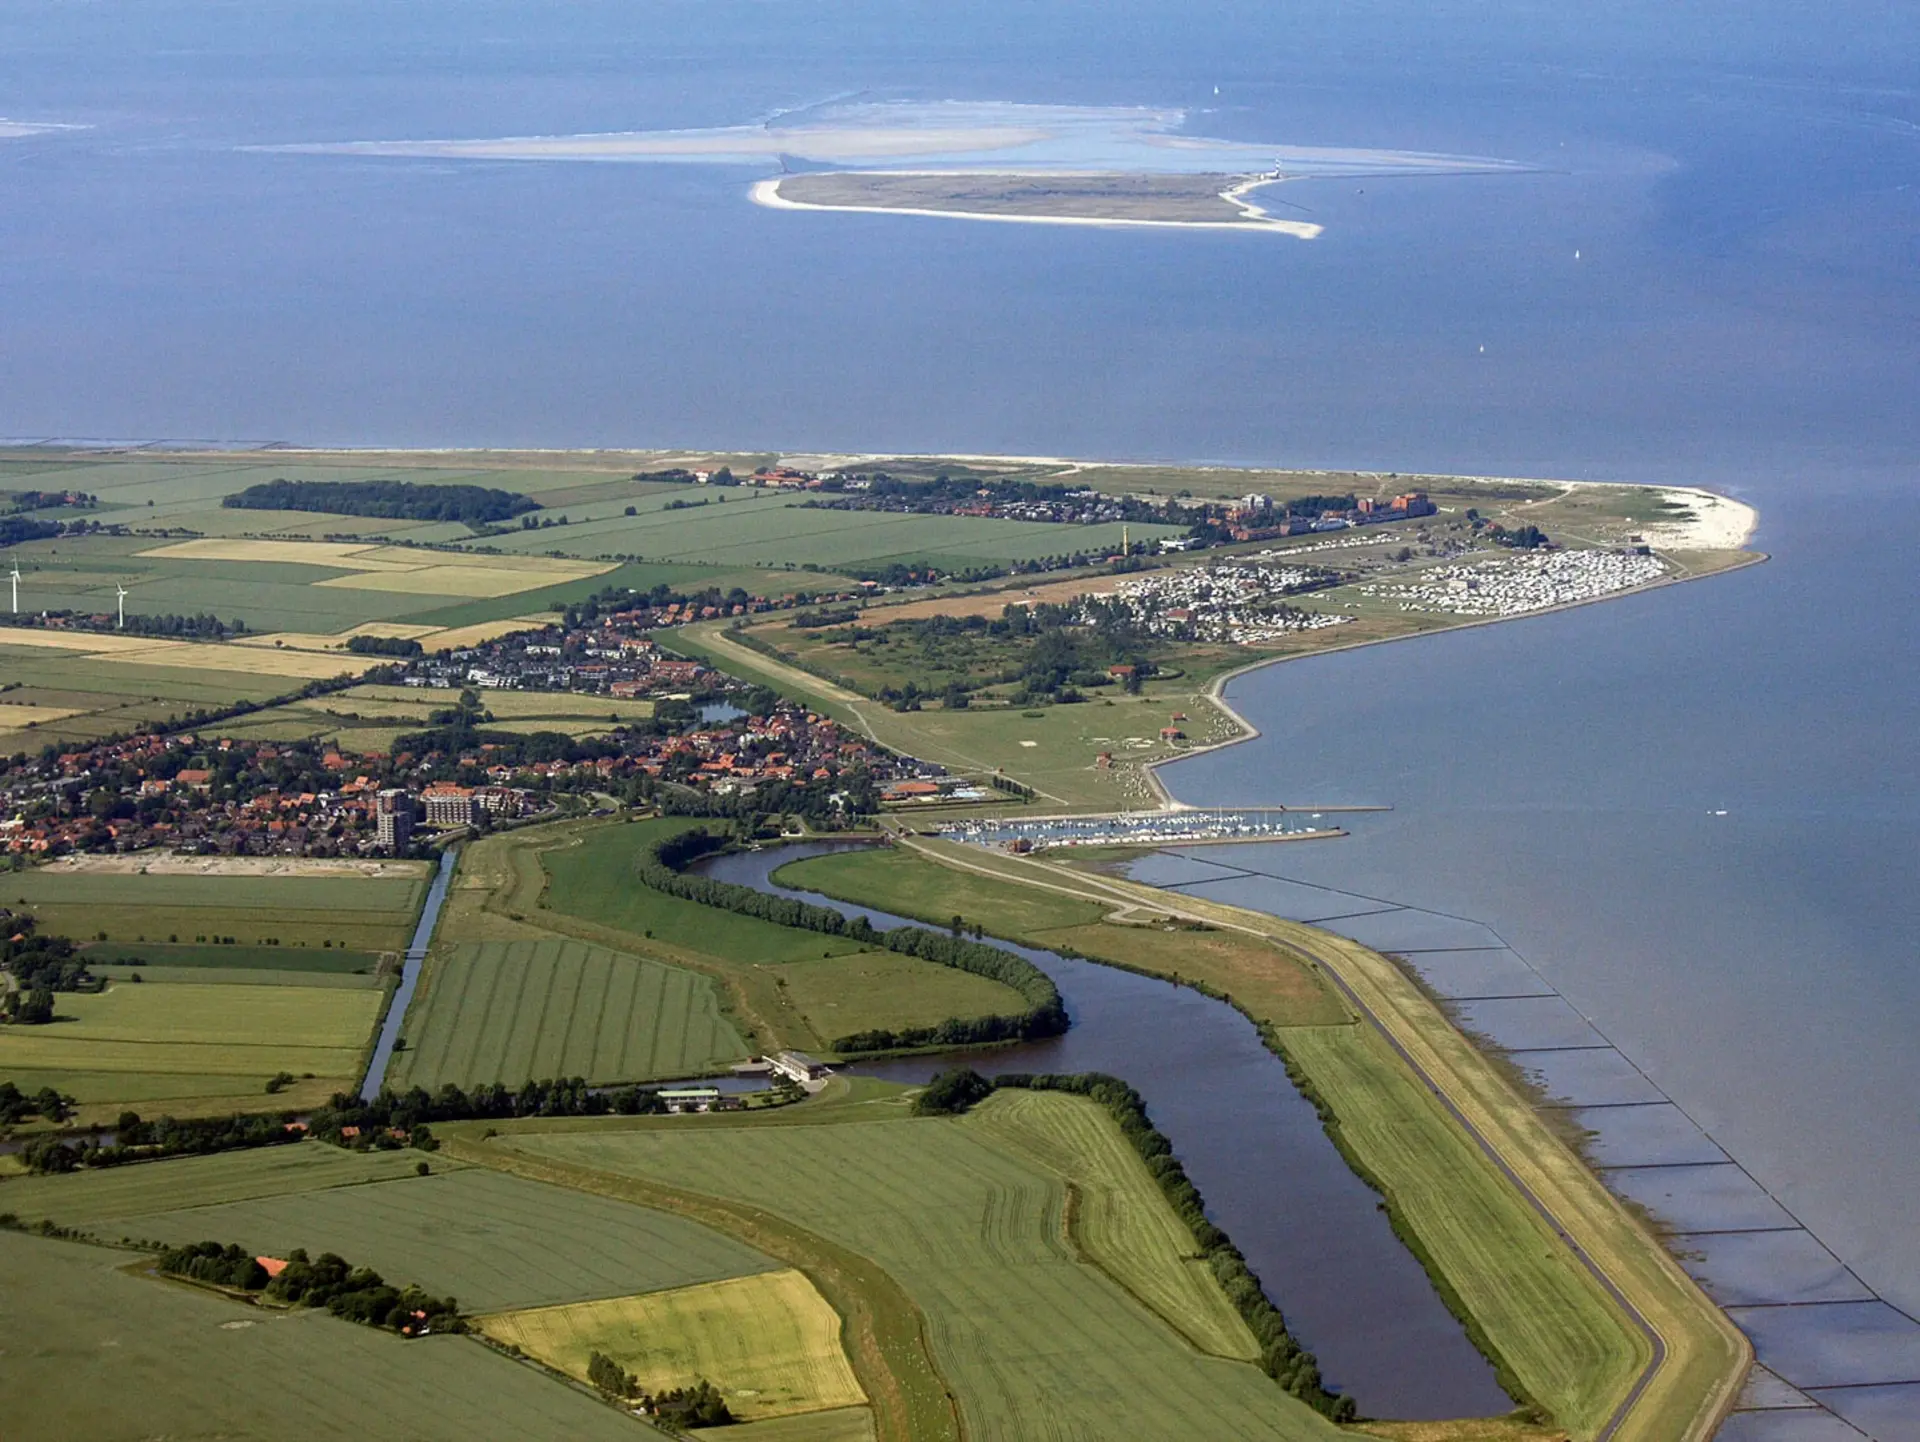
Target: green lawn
1034,1342
493,1241
513,1011
905,884
95,1353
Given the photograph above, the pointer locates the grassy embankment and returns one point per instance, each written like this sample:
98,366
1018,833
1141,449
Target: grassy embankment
1508,1218
202,1030
1018,1265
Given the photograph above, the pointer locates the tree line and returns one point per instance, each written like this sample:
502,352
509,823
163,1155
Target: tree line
408,1112
40,965
138,1140
387,500
700,1405
659,864
357,1294
1281,1356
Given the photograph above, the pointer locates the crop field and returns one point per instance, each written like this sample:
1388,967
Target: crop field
366,719
883,990
219,1044
493,1241
1122,1221
105,1201
210,958
94,1352
1034,1342
769,1342
843,1424
593,879
358,913
509,1011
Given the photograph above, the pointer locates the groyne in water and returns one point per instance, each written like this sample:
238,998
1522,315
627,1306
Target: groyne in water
1310,1229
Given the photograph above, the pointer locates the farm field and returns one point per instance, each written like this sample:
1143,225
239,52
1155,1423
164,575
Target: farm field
366,719
769,1342
494,1241
843,1424
103,1200
358,913
1034,1342
511,1011
839,996
217,1045
94,1352
212,958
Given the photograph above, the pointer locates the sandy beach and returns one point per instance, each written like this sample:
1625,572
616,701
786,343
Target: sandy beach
767,193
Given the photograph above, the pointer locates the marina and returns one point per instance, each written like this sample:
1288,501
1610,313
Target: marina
1181,827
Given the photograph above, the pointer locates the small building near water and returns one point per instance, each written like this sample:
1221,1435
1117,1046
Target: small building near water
796,1066
690,1099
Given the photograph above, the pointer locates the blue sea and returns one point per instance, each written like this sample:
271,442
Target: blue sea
1740,182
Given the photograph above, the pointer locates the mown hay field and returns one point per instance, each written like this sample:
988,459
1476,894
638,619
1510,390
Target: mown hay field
1035,1343
105,1201
769,1342
220,1043
369,914
510,1011
1121,1220
96,1353
493,1241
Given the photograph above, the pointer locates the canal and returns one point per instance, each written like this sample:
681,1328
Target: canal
1312,1230
410,965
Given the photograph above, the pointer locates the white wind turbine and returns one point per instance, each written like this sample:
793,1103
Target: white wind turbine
122,590
16,588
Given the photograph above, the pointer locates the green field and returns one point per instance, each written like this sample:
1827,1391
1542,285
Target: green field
1034,1342
769,1342
593,879
219,1044
844,1424
104,1201
511,1011
95,1353
367,914
231,958
493,1241
885,991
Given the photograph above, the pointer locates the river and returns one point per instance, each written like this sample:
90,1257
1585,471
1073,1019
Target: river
1312,1231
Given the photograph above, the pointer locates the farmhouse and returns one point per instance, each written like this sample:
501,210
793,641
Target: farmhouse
690,1099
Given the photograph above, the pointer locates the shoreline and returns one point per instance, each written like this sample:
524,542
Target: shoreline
1216,692
766,193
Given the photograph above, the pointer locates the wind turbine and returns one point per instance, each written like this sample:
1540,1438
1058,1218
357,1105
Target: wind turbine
122,590
16,588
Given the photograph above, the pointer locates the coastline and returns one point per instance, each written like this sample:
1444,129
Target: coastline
767,193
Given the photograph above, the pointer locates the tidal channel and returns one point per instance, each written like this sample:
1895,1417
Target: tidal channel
1314,1233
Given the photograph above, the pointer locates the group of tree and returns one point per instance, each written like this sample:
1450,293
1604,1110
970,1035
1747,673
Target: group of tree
617,600
17,1106
357,1294
659,865
387,500
18,530
139,1140
384,646
700,1405
1519,538
16,502
374,1122
1281,1356
203,626
38,965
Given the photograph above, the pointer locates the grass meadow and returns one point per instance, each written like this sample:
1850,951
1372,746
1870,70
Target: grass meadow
184,1047
1033,1341
495,1242
769,1342
881,990
95,1352
511,1011
843,1424
363,914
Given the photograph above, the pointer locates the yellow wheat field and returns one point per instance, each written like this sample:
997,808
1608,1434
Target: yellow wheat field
770,1342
